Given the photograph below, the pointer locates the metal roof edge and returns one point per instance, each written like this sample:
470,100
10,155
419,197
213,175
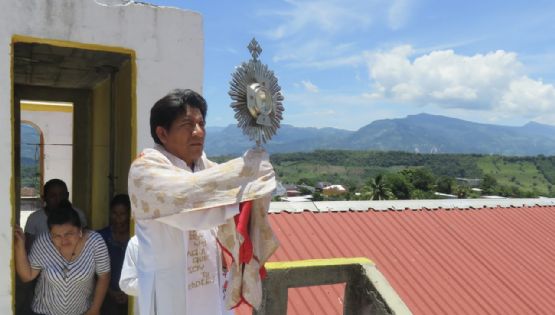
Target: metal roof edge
401,205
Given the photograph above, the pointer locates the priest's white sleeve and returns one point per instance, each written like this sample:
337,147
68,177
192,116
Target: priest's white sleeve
159,190
129,279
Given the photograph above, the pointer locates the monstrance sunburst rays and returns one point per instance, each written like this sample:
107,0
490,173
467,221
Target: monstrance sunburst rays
257,98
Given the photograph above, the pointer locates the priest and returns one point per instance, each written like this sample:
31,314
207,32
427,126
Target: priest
184,205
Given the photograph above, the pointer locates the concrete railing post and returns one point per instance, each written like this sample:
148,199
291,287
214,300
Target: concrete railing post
366,290
274,294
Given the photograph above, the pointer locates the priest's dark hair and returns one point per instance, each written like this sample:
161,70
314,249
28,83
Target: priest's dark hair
65,214
171,106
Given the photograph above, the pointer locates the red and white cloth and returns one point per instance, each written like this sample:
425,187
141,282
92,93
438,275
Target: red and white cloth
249,241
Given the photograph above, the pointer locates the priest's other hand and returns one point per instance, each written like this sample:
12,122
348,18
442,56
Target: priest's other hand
258,160
256,155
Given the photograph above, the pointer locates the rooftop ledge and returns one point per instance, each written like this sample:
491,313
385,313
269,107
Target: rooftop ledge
402,205
366,292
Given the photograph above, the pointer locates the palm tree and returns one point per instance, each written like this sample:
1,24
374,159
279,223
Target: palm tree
377,189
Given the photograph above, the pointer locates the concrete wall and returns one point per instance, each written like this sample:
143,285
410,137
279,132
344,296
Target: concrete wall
168,46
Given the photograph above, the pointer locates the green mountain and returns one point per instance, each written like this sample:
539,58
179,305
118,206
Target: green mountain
426,133
231,141
421,133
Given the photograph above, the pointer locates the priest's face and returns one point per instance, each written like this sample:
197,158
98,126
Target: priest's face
185,138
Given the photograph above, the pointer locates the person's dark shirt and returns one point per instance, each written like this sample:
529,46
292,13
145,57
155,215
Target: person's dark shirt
116,250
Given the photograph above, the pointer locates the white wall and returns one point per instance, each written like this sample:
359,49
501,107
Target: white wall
169,47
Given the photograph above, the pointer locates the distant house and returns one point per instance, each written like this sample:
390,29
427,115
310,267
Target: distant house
297,198
291,190
28,192
334,190
469,182
280,190
293,193
321,185
444,196
306,188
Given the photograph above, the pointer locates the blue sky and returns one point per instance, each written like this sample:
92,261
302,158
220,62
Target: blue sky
346,63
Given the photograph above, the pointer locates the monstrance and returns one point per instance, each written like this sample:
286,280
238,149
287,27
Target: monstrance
257,99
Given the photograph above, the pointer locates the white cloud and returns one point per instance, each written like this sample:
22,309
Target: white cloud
398,13
309,86
328,16
296,61
303,50
323,100
312,33
524,95
335,109
318,53
493,81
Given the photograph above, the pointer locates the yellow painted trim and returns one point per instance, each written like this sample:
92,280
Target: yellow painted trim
133,130
130,307
70,44
133,107
317,263
38,107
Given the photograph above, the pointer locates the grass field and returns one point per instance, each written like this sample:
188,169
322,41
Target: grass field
311,173
522,174
533,176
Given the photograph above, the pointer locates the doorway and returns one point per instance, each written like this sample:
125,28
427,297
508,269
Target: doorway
83,100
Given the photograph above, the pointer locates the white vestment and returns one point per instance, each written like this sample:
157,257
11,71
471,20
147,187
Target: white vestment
129,279
176,212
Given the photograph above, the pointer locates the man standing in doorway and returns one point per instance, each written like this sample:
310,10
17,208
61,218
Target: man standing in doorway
54,192
179,198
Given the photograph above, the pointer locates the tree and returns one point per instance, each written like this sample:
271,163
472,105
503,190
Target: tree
378,189
399,185
306,181
446,185
489,184
462,191
316,196
420,178
305,190
420,194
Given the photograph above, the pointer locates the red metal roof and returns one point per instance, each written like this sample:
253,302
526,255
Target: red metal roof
445,261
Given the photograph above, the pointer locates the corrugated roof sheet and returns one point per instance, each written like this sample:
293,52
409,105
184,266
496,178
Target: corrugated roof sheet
382,205
453,260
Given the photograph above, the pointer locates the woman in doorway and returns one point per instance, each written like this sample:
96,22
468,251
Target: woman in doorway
72,266
116,236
